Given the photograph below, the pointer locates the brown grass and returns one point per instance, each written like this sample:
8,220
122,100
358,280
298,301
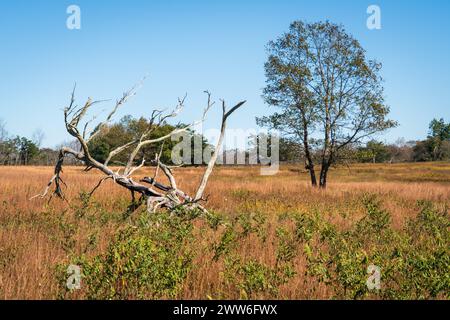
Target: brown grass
29,251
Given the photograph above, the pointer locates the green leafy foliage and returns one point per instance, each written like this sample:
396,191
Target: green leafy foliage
414,262
18,150
437,145
152,256
146,262
253,278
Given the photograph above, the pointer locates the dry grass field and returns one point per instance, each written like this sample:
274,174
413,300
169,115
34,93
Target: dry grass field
38,237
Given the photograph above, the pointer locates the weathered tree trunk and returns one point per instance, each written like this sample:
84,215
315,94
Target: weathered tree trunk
312,172
167,197
309,160
323,175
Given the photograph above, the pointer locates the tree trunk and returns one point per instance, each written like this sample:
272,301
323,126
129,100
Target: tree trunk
309,160
323,176
312,172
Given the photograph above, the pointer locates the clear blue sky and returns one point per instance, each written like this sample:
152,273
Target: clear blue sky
190,46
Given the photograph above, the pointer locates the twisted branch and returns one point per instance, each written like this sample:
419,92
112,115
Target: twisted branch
155,194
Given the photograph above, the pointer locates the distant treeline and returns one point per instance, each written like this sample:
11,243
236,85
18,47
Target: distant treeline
436,147
16,150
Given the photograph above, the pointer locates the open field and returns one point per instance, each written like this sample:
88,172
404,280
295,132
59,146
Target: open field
37,239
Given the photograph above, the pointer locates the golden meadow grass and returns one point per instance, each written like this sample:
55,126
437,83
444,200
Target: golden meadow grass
33,234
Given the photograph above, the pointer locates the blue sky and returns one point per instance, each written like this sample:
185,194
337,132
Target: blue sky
190,46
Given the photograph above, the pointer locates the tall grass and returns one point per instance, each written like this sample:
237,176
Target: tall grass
257,254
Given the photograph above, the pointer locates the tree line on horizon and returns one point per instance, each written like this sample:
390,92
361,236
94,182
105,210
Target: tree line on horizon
17,150
436,147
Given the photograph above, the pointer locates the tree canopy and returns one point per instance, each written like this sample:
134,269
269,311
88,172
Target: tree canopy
127,129
437,146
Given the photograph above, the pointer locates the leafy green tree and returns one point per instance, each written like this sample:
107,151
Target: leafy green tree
320,78
100,149
437,145
439,134
421,151
18,150
27,150
439,129
375,152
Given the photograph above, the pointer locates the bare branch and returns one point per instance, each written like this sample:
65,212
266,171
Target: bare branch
212,161
98,185
125,97
142,143
156,195
136,168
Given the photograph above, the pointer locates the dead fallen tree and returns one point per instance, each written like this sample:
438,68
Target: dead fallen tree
146,190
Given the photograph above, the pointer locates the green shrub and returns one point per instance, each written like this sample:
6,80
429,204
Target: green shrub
141,262
414,262
254,279
151,258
